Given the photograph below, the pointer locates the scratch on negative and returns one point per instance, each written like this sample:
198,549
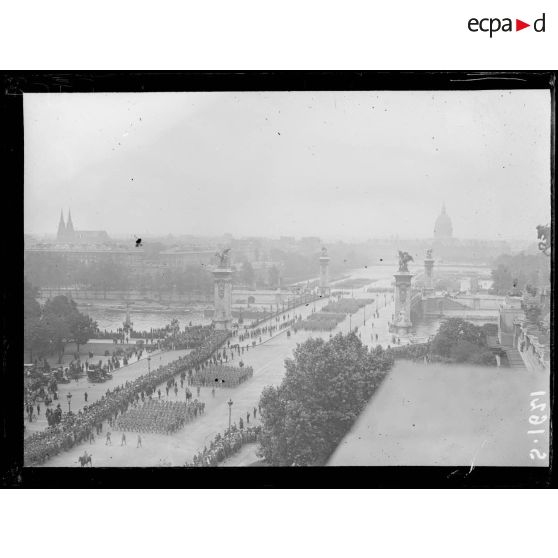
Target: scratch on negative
476,454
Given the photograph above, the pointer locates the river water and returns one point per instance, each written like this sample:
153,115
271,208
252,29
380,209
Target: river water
111,318
381,276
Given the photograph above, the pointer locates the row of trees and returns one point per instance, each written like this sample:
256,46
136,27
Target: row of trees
511,274
298,266
246,275
48,328
111,274
56,270
53,270
325,388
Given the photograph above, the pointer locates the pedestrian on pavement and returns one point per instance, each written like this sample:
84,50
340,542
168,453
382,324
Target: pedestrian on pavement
123,441
198,390
91,437
85,396
255,413
38,409
139,442
108,441
248,417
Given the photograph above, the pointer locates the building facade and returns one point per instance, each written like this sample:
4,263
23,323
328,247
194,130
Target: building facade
68,235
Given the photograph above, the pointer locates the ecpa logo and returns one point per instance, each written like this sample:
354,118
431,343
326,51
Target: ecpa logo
494,24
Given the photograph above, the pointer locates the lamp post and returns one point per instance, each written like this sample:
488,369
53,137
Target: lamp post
230,404
149,365
69,398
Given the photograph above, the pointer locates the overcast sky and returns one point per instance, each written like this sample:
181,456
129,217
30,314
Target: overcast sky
339,165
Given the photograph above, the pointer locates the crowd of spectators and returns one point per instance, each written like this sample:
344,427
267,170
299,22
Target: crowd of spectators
75,428
120,334
224,446
189,338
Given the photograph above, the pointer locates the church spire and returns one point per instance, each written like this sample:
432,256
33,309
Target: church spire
70,227
61,227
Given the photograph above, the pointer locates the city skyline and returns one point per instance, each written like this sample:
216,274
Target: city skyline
325,164
50,235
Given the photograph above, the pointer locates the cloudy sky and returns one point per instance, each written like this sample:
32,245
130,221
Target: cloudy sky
344,165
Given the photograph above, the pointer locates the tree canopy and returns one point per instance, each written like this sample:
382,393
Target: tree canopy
325,388
273,276
247,274
462,341
511,274
55,270
51,327
31,308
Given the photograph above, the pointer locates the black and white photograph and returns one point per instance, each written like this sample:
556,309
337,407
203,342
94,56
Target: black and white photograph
287,278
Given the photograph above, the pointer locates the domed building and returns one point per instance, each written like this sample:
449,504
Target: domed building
443,229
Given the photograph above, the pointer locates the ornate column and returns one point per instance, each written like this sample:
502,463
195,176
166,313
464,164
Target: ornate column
402,316
324,273
222,275
428,272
